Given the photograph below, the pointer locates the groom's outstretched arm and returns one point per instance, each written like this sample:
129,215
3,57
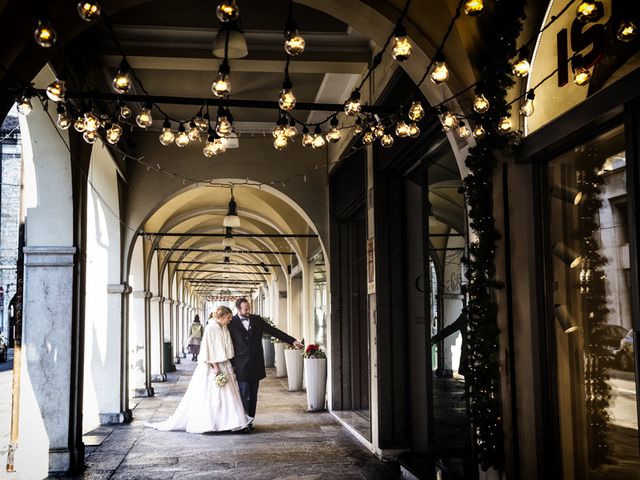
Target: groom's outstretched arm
275,332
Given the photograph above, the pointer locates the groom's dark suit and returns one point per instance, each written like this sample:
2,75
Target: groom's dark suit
248,361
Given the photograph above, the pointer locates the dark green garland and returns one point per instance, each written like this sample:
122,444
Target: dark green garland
597,359
483,379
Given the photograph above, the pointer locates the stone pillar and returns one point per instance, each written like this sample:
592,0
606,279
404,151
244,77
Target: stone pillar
184,326
157,338
140,383
47,361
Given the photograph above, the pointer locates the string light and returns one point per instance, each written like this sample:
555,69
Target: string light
589,11
227,11
402,129
209,149
182,139
414,130
379,130
473,8
402,47
281,142
353,106
479,131
56,90
91,122
368,137
63,121
224,128
448,120
145,118
307,138
122,79
581,76
504,126
481,103
114,132
416,111
89,11
463,131
90,137
24,105
527,108
201,123
125,112
333,135
194,132
440,73
627,31
318,139
293,42
386,140
78,125
44,34
291,130
287,99
221,87
522,67
357,127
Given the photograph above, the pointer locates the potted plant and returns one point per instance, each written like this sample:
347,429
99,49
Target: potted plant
293,359
267,346
315,369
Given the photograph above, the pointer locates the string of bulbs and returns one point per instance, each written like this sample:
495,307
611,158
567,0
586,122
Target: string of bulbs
368,126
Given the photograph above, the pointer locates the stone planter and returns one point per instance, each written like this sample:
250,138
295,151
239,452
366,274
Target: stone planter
281,367
294,369
269,352
315,370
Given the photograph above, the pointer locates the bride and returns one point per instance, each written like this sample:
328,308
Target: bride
209,404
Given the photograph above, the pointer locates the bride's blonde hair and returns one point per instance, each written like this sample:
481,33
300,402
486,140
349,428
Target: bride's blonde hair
222,311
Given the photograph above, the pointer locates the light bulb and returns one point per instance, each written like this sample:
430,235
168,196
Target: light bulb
91,122
78,125
291,131
221,86
527,108
90,137
125,112
24,105
281,142
402,129
89,11
379,130
278,130
227,11
480,103
352,106
521,67
505,124
209,149
440,73
114,133
357,128
167,137
581,76
294,43
287,99
307,138
201,123
479,132
627,31
333,135
182,138
416,111
63,121
386,141
194,132
448,121
463,131
223,126
473,7
56,90
318,139
144,118
122,80
402,47
414,130
45,35
368,138
589,11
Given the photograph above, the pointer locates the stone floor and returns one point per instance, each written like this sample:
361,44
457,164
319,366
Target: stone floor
288,443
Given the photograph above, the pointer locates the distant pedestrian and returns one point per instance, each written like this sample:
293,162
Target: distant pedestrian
197,331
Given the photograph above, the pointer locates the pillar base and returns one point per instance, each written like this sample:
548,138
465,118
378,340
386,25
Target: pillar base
143,392
159,377
177,360
64,460
116,418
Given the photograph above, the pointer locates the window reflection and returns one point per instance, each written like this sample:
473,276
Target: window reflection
588,215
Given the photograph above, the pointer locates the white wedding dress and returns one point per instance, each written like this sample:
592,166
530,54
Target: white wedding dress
207,407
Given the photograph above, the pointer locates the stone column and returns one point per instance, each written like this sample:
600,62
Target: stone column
47,361
157,339
139,345
178,329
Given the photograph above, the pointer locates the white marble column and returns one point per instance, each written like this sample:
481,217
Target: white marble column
157,338
140,378
45,377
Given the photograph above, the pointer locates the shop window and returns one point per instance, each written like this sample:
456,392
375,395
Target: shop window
595,388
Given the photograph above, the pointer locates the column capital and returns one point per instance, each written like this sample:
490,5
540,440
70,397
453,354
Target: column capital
158,298
142,294
119,288
49,256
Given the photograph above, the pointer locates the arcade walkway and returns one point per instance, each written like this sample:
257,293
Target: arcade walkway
288,443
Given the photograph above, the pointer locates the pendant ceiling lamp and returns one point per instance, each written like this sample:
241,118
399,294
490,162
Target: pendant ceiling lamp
231,219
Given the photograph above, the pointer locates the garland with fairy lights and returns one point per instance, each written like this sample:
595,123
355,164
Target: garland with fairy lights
482,382
597,358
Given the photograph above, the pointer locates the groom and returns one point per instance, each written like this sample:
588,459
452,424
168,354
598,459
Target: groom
246,333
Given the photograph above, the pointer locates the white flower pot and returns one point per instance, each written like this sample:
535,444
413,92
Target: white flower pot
315,370
269,352
281,367
294,369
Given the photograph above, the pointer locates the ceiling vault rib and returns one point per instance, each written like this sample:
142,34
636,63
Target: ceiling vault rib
245,235
207,250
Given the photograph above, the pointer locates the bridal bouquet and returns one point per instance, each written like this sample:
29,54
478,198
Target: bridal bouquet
221,378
